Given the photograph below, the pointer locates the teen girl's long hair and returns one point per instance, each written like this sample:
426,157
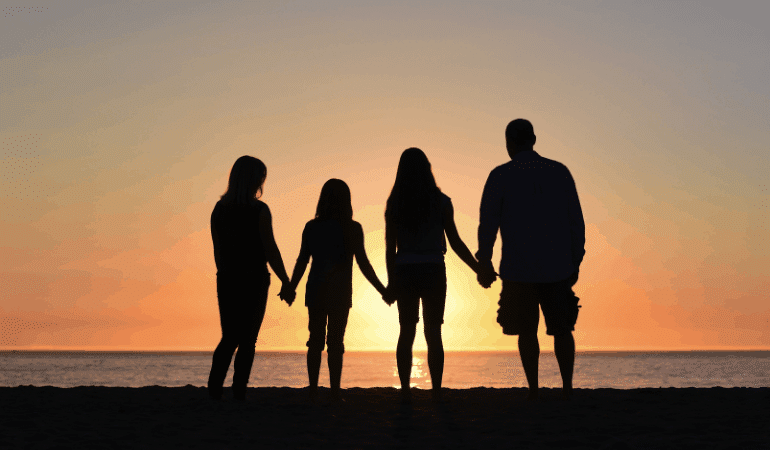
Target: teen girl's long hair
335,203
246,180
415,195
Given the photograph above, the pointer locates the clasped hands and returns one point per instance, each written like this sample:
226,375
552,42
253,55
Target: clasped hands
287,294
486,275
389,296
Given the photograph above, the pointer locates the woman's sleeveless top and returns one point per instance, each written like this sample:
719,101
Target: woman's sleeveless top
426,242
238,245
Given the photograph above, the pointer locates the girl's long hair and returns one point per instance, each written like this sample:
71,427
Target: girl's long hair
335,203
246,180
415,195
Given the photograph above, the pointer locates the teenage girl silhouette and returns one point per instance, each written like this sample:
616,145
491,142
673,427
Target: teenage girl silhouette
417,217
332,239
242,231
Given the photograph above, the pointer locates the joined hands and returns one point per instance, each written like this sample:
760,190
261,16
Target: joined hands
486,275
287,294
389,296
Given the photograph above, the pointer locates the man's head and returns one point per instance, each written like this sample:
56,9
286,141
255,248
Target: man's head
519,136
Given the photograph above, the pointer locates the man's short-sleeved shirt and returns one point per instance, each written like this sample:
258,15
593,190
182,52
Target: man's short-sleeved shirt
534,203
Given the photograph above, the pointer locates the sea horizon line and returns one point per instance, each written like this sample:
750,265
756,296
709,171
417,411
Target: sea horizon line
587,351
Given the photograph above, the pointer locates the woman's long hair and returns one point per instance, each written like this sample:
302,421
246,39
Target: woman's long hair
246,180
415,195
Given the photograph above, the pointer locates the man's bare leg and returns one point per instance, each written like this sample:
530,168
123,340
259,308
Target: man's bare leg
313,369
564,348
529,351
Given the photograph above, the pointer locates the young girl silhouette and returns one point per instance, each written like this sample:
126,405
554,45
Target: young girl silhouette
332,239
242,231
417,216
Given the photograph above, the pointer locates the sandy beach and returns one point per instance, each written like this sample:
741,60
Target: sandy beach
160,417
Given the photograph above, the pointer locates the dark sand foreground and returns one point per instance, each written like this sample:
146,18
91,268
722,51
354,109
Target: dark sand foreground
157,417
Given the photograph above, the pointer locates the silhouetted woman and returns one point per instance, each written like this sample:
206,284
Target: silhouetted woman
242,231
417,217
332,239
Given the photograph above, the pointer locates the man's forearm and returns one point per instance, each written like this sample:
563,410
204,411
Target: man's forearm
489,220
487,237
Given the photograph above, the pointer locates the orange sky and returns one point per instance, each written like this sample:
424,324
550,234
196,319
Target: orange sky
119,124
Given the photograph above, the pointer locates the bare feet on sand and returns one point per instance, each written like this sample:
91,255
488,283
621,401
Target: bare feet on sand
239,394
406,396
215,394
313,395
336,396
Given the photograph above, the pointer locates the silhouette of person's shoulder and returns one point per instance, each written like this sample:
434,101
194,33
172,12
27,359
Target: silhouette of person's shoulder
553,164
559,172
259,205
255,204
327,225
237,214
502,171
530,160
355,230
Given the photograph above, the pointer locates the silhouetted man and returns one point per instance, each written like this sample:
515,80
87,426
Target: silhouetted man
534,203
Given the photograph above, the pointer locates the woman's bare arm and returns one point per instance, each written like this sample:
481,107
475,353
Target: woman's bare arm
268,244
215,241
390,250
363,260
455,241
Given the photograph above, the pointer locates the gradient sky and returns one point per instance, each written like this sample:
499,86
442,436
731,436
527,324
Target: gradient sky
119,124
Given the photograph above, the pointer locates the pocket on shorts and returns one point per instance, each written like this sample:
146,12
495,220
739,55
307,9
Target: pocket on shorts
574,307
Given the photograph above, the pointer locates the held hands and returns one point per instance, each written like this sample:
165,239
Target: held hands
287,294
486,275
389,296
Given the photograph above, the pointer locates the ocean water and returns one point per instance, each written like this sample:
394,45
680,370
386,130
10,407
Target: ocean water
619,370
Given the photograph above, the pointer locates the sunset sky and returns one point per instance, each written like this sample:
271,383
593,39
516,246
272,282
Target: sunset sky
119,123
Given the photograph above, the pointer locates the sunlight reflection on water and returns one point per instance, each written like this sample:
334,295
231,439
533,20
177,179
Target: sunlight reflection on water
419,377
